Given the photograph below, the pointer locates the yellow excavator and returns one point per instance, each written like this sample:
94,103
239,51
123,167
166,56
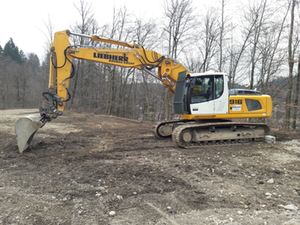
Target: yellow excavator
202,100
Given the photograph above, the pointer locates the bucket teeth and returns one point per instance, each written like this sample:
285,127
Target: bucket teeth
25,128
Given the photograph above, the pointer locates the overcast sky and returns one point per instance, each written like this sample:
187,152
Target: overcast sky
24,20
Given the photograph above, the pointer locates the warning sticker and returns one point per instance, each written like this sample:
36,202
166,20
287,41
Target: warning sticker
236,108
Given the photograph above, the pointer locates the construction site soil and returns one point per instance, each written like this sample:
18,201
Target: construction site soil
97,169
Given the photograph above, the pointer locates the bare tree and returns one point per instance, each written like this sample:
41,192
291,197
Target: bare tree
288,100
180,21
85,25
179,25
257,16
49,37
272,54
236,53
250,28
207,43
296,101
222,33
116,79
146,34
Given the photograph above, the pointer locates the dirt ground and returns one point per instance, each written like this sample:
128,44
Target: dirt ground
97,169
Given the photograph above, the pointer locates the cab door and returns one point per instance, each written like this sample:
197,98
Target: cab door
208,95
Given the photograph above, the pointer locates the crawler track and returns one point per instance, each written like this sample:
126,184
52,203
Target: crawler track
195,135
165,129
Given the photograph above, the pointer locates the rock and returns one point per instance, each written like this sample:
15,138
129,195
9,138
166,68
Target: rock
240,212
270,139
292,222
291,207
112,213
269,195
119,197
270,181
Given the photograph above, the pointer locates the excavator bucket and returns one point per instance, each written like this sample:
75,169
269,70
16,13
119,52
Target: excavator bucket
25,129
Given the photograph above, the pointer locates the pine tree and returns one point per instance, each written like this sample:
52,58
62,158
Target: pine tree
12,51
1,51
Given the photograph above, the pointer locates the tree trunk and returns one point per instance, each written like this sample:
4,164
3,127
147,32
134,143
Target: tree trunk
295,114
288,99
221,36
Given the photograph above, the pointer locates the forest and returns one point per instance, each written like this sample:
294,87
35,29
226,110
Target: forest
255,42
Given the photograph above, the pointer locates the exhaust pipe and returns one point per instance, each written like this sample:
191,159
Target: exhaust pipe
25,128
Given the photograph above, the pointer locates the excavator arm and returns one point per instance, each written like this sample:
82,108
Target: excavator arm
134,56
62,54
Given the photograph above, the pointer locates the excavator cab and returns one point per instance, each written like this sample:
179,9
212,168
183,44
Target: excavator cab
207,94
202,94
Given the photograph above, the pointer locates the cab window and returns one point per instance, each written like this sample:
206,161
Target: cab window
219,86
207,88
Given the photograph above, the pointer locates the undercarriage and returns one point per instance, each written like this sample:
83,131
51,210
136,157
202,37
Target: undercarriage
189,134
